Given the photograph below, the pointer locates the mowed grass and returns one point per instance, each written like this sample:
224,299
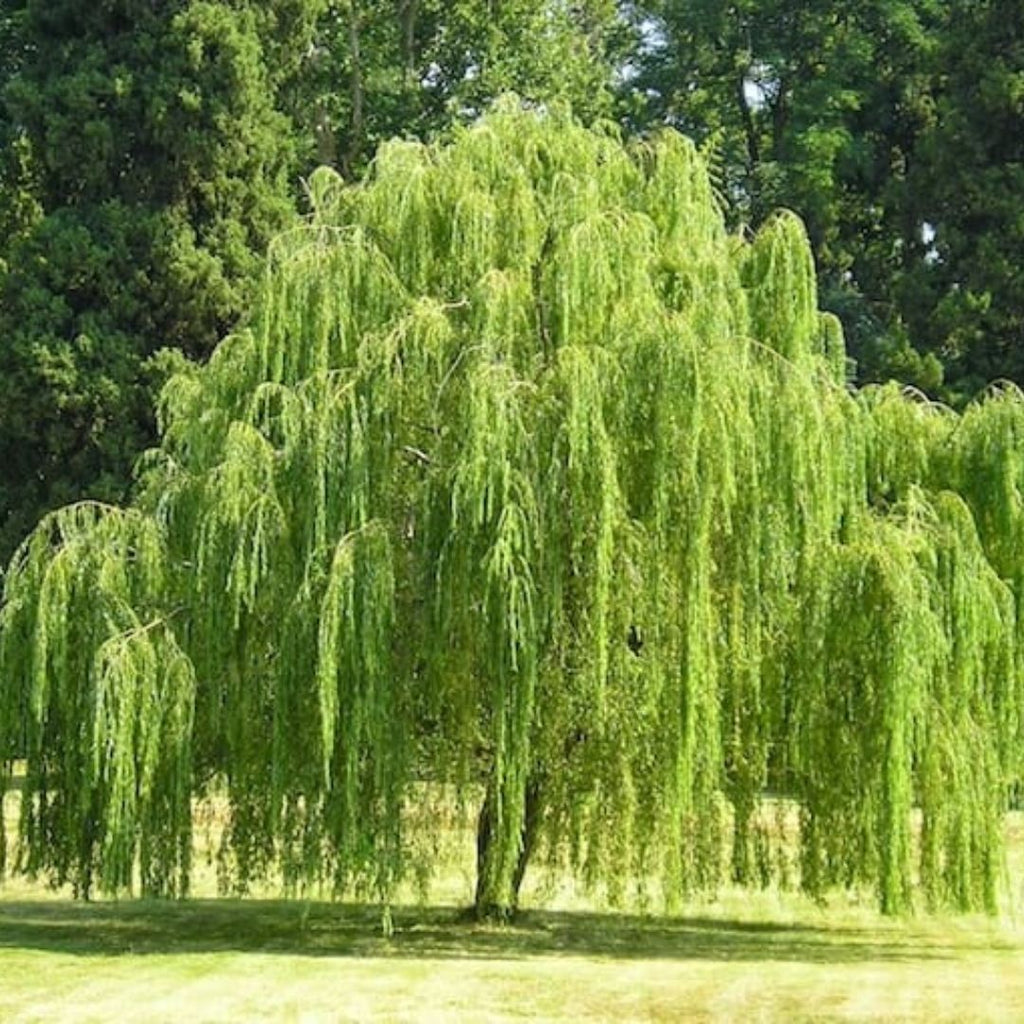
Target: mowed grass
742,957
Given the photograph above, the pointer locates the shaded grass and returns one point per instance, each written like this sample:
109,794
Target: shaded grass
220,960
353,930
744,956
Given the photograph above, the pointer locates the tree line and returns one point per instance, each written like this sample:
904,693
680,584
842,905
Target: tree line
151,150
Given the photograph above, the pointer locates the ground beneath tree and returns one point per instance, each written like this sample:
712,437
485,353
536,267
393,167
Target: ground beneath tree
744,956
217,960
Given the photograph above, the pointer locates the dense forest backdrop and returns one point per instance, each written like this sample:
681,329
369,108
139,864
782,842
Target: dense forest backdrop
150,149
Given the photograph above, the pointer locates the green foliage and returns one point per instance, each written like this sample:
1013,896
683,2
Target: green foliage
528,475
965,300
383,69
893,128
146,170
822,108
106,703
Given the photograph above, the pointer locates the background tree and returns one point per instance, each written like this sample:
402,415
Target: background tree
409,69
530,482
818,108
154,150
964,298
147,168
19,206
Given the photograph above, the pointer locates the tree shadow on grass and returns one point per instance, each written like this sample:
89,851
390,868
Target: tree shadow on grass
353,930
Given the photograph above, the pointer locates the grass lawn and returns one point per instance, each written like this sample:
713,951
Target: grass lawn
742,957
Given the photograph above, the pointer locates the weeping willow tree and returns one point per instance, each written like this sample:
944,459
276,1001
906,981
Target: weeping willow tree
529,481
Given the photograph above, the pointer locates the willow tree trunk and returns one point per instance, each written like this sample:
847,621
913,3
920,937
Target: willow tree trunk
494,900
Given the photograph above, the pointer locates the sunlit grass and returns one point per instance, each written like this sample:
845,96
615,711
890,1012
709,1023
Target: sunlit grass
742,956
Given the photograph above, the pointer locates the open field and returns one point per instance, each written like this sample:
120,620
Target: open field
744,957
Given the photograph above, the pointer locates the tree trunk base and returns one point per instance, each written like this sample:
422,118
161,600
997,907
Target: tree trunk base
492,913
485,908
